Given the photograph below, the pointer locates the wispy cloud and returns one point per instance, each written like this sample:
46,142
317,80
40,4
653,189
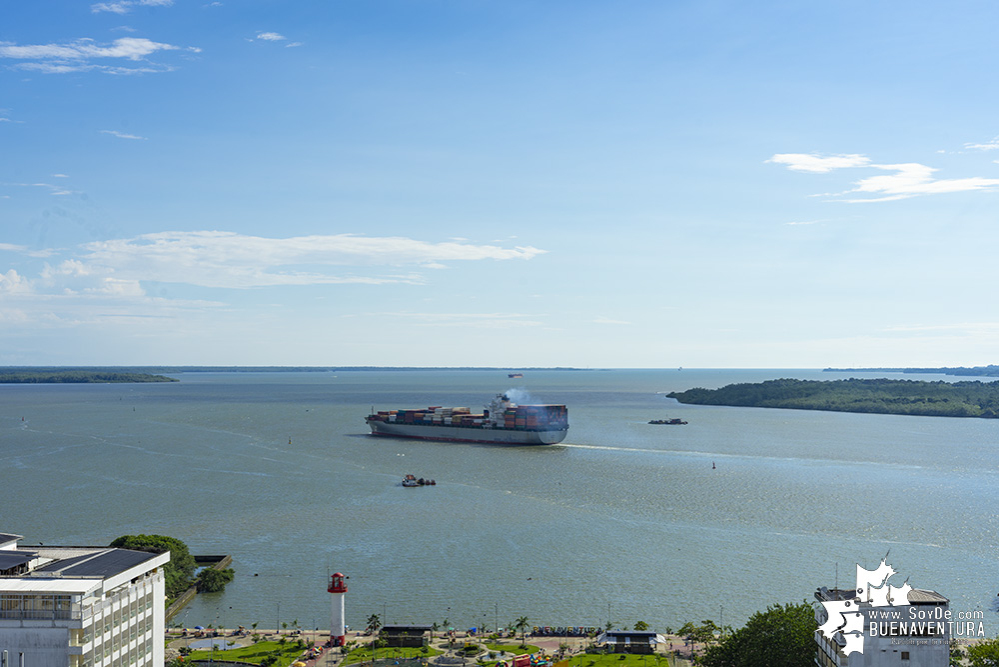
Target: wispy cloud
470,320
122,135
24,250
818,164
108,279
224,259
990,146
270,36
125,6
908,179
53,189
912,179
77,56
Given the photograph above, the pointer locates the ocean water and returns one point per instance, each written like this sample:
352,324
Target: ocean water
624,521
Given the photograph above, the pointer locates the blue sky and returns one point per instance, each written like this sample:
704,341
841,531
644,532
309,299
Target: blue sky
498,183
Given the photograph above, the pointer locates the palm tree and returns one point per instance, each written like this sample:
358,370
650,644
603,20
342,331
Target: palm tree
374,622
521,624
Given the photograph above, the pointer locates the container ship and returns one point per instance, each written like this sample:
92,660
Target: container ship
501,422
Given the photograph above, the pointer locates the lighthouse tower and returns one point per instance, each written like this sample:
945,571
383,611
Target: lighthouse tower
337,628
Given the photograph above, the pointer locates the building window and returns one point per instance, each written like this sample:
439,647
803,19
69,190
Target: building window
905,655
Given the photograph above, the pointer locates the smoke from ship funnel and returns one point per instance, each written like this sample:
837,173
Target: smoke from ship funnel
519,396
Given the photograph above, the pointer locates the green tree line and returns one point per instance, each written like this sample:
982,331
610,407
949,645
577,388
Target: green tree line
53,377
898,397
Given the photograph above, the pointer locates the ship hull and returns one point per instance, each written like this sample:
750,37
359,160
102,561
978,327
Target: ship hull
496,436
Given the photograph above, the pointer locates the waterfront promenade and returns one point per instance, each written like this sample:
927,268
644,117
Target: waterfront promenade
334,657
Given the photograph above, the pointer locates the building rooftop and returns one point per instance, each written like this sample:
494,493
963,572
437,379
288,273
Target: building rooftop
97,563
920,596
9,559
8,538
914,596
70,570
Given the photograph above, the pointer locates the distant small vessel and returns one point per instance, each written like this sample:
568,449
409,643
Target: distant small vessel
515,375
410,480
670,422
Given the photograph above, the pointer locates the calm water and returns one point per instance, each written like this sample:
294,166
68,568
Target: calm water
624,520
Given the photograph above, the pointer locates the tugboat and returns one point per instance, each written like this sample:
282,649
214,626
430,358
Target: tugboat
670,422
410,480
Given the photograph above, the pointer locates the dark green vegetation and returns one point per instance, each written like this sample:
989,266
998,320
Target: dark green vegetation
781,635
178,573
211,580
54,376
987,371
897,397
982,654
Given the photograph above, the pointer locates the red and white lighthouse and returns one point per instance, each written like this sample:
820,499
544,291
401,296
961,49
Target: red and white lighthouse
338,588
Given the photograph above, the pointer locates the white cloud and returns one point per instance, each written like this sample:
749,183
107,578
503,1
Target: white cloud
122,135
817,164
271,36
910,179
291,45
133,48
11,282
990,146
225,259
125,6
76,56
53,189
24,250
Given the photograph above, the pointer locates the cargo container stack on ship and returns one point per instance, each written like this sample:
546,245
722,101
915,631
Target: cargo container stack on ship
501,422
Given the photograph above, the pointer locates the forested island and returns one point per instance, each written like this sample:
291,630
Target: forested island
56,376
973,371
896,397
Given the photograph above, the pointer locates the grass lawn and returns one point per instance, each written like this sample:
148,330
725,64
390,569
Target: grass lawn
366,653
619,660
516,649
253,653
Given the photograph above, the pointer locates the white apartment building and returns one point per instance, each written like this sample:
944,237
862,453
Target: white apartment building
80,606
888,643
